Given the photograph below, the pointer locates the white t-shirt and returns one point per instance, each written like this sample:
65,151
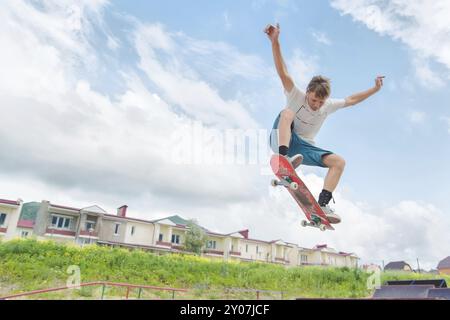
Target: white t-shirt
307,122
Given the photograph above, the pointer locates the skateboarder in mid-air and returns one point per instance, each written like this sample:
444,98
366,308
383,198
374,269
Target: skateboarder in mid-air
296,126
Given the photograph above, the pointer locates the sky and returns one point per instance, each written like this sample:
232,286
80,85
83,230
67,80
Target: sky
166,106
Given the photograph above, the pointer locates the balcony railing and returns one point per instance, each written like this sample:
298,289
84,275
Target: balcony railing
3,230
235,253
165,244
61,232
210,251
88,234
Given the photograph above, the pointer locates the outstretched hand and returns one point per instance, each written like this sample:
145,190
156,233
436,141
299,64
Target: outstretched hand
379,82
272,32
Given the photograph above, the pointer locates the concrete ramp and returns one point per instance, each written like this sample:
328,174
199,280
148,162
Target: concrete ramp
437,283
403,292
439,294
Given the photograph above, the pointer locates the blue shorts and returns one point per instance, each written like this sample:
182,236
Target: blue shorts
312,155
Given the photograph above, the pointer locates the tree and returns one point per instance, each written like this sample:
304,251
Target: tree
195,238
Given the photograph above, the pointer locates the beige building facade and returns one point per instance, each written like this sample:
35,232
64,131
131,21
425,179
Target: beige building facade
47,221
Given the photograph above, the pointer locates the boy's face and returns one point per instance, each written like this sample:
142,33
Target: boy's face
315,102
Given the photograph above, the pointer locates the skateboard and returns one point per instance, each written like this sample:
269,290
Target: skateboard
301,194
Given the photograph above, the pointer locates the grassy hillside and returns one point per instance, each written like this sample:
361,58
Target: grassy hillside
30,265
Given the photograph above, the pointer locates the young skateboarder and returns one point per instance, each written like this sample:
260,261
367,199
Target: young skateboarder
297,125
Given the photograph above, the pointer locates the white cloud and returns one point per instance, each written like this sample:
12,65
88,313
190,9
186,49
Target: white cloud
321,38
302,67
426,76
417,117
76,136
422,25
183,86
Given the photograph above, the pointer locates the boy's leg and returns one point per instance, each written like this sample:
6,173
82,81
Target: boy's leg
283,141
336,165
284,128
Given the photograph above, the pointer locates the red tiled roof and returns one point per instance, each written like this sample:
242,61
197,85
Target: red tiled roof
13,202
25,224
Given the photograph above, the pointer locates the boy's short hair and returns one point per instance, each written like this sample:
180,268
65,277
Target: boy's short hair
320,86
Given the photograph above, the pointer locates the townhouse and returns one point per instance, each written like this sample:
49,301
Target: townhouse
9,215
92,224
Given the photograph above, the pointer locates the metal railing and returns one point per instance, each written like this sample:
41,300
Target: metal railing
103,284
258,292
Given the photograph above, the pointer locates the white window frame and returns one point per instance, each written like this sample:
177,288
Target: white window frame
212,244
133,230
90,222
161,237
64,219
175,238
24,234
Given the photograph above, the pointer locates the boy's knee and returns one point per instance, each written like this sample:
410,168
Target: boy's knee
341,164
334,161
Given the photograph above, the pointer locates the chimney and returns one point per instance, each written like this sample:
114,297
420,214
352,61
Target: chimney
122,211
244,233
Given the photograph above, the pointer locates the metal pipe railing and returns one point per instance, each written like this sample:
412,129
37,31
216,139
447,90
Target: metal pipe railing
103,284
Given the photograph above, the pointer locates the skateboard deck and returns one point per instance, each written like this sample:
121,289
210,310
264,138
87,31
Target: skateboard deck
301,194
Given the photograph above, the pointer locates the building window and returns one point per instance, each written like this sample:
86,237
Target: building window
90,225
304,258
160,237
132,230
2,218
257,249
176,238
24,234
116,230
211,244
59,222
246,248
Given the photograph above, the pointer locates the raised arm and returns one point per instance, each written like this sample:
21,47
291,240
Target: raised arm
273,33
358,97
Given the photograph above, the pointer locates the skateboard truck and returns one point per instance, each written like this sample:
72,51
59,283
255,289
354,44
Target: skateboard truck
315,222
285,182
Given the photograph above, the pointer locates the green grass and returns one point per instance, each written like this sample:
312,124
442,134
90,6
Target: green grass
27,265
